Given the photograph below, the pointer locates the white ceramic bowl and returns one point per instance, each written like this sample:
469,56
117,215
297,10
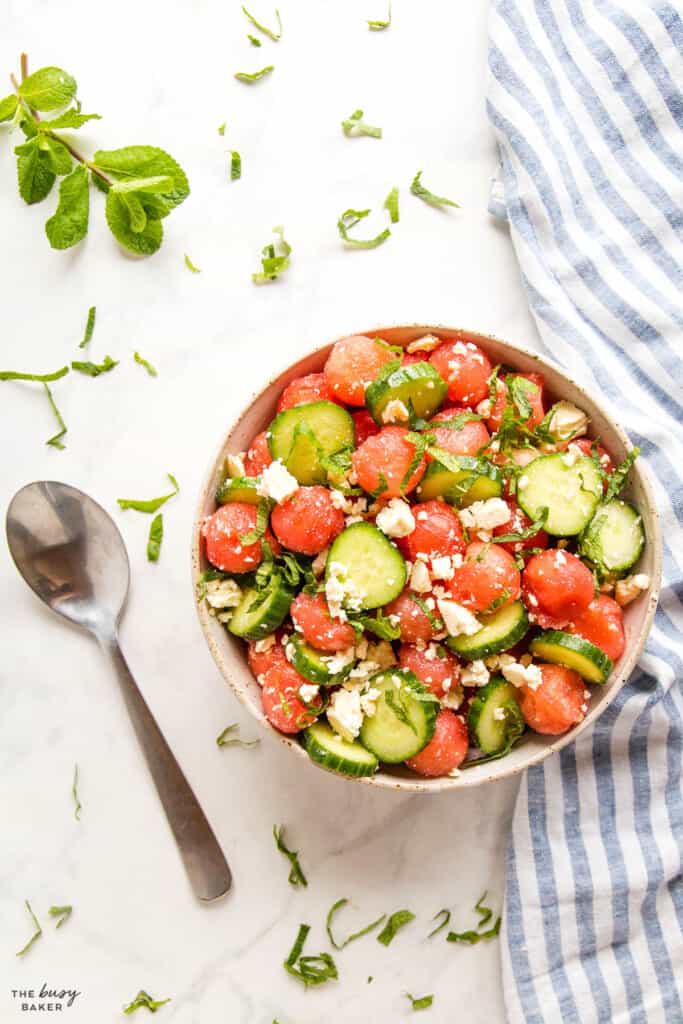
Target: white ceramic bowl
230,653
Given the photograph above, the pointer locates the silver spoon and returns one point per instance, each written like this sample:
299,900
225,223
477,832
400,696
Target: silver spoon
71,554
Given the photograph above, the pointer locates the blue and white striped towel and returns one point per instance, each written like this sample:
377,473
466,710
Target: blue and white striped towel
585,100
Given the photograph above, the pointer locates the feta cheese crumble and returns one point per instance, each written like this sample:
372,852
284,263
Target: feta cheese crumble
475,674
345,713
340,592
223,594
523,675
458,621
629,589
426,344
396,519
395,412
308,692
567,421
235,464
420,580
485,515
277,483
442,568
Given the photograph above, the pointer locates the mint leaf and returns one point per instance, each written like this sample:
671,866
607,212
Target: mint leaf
275,36
190,265
221,128
63,913
296,875
36,935
355,126
156,535
74,794
229,737
143,242
156,184
69,119
418,189
147,365
95,369
397,921
69,223
48,89
153,503
617,481
144,162
253,40
391,205
8,107
89,327
56,440
421,1003
245,76
446,916
235,165
144,999
40,377
348,220
58,154
35,172
377,26
354,935
273,263
309,970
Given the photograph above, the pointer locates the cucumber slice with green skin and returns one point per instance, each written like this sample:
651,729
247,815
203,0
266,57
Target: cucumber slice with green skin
309,663
493,734
418,386
404,718
303,436
238,488
260,612
570,493
473,480
574,652
328,750
374,570
500,631
614,538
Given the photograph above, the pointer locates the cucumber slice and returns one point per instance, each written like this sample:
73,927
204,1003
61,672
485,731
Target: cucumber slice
404,719
238,488
491,733
304,436
261,611
614,538
466,479
570,493
573,652
500,631
336,755
374,570
309,663
418,386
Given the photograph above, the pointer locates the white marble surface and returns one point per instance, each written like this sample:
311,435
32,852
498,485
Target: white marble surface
160,73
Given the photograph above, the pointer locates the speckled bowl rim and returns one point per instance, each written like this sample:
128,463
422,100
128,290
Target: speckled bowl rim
497,770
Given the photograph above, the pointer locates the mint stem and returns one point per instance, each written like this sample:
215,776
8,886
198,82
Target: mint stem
24,66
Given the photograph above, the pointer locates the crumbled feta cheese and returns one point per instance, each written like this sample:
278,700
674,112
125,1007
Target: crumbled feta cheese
319,562
570,456
383,653
442,568
431,653
522,482
308,692
426,344
395,412
485,515
339,500
396,519
261,646
350,520
475,674
532,599
338,661
458,621
496,661
484,408
340,592
235,464
452,698
499,714
290,651
368,701
567,421
523,675
422,515
345,714
277,482
629,589
560,558
420,579
348,505
223,594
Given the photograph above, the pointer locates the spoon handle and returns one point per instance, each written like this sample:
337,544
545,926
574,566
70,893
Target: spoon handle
205,863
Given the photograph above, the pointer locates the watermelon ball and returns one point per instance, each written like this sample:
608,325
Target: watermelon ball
308,521
313,387
534,398
602,624
557,703
518,522
382,463
447,748
222,532
352,364
364,424
469,439
414,622
466,370
485,575
258,455
433,665
438,531
260,660
311,617
280,698
557,587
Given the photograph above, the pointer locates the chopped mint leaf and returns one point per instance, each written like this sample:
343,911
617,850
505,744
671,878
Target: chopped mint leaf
296,875
377,26
518,388
391,204
309,970
63,913
156,535
144,999
355,935
485,913
618,478
95,369
8,107
397,921
446,914
74,794
422,1003
472,937
418,189
42,378
355,126
144,362
244,76
89,327
190,265
221,128
530,531
273,264
235,165
253,40
153,504
275,36
348,220
69,223
56,440
48,89
230,738
36,935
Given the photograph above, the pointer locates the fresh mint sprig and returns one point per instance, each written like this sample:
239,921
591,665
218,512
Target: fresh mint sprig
143,184
354,126
419,190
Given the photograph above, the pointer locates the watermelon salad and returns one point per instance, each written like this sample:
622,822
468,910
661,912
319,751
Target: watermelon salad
424,556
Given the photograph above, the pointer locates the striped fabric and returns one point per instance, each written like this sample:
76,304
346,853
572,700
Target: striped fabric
585,99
